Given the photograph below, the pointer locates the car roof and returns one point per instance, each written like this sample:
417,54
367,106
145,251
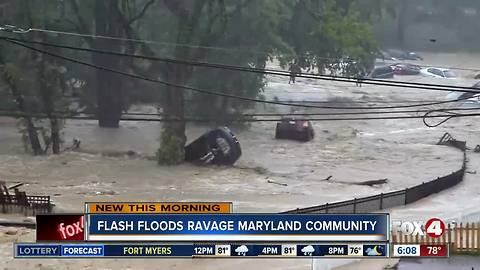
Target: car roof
441,69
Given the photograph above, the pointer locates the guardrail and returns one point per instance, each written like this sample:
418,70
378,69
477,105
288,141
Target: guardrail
395,198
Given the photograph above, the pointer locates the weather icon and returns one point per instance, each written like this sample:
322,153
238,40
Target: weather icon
241,250
375,251
308,250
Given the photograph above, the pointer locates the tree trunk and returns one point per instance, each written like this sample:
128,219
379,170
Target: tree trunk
55,135
108,85
172,149
31,130
402,23
33,137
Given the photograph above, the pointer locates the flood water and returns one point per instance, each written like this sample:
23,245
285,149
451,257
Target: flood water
403,151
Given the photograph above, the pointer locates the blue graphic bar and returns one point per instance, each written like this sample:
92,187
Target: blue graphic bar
237,227
33,250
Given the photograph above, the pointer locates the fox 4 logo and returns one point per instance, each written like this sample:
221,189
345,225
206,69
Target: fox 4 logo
434,228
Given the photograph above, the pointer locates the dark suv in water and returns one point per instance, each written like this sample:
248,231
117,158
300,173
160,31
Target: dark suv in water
219,146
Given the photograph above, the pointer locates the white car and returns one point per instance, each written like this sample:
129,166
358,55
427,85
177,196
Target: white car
438,73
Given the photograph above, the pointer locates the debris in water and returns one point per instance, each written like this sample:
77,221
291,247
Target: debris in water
373,182
16,186
11,232
477,149
328,178
108,192
363,183
277,183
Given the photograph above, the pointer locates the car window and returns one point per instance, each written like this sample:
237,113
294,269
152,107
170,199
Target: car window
437,72
448,74
431,70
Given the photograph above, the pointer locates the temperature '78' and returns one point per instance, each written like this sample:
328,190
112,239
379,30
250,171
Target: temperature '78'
433,250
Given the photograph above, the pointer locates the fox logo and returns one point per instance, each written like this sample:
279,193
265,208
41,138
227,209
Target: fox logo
434,227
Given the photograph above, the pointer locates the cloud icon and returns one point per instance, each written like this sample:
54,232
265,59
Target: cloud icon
373,251
241,250
308,250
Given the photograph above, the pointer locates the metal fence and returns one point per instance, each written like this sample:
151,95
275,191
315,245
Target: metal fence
395,198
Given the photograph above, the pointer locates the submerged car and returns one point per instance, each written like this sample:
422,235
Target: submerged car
219,147
402,55
438,73
383,72
466,98
294,129
406,69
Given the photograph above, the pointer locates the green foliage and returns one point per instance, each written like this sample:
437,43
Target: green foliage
332,35
171,151
251,32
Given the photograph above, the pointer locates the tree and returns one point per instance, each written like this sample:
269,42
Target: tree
113,19
11,78
250,32
252,24
35,98
332,35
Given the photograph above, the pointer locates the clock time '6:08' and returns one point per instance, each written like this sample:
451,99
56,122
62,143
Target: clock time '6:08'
406,250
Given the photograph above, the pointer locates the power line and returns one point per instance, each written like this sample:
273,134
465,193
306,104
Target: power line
203,91
289,101
70,113
424,86
358,101
449,116
164,43
333,113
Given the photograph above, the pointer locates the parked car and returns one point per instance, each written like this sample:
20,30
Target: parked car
385,56
406,69
294,129
438,73
383,72
403,55
219,147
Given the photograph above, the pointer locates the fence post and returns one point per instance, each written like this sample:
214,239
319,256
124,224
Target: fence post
354,205
478,237
381,201
467,236
460,237
449,236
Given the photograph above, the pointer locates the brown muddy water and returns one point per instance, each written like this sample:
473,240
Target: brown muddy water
403,151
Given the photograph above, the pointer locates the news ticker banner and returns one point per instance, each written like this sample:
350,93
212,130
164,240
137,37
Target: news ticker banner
158,208
236,227
212,227
89,250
